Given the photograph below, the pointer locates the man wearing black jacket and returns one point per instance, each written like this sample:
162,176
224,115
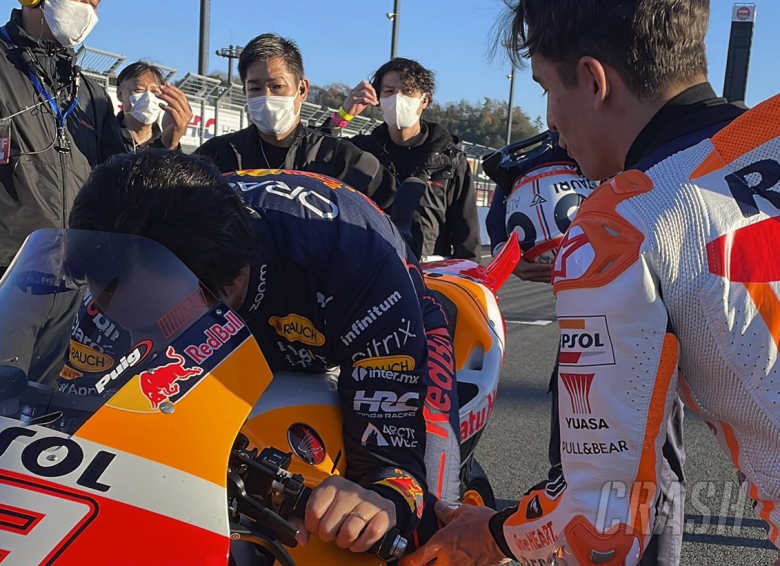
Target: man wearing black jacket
446,220
271,69
145,97
55,124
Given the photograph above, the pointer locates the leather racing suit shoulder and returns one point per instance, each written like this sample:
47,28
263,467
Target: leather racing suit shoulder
663,268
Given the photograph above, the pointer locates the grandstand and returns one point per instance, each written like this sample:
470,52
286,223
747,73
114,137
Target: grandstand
220,109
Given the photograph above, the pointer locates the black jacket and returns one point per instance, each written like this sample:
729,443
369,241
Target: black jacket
38,185
129,141
313,151
448,209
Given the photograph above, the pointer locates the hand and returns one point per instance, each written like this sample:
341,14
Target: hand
178,115
464,541
360,98
342,511
536,272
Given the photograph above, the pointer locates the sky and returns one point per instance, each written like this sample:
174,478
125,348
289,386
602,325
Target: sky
346,40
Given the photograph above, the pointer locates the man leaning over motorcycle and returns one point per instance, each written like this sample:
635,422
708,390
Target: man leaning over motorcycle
322,281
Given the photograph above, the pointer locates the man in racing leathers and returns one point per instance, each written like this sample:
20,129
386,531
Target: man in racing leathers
663,282
548,173
323,279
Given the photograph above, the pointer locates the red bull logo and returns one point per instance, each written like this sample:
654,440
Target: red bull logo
161,383
216,337
409,488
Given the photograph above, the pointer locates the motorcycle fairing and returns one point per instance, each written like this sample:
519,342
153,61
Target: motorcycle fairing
150,478
134,484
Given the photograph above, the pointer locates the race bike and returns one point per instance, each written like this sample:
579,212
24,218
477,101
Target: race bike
182,463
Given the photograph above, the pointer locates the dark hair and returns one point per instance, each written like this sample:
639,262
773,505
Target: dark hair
178,200
413,75
653,44
135,70
270,46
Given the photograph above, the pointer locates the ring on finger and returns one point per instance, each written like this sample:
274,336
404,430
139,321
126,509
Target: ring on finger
359,515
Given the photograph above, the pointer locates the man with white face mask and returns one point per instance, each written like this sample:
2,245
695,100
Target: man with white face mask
446,223
271,69
55,124
145,98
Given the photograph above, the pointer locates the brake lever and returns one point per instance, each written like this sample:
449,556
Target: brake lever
249,506
240,532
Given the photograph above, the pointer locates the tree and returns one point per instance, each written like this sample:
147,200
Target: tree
484,124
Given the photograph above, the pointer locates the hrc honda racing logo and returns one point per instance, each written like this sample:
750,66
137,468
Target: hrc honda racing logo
386,404
585,341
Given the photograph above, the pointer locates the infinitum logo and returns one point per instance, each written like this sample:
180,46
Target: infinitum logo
372,314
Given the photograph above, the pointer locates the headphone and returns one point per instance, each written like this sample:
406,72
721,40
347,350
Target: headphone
30,3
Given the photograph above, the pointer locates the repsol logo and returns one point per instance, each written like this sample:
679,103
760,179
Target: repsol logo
66,455
582,341
585,341
294,327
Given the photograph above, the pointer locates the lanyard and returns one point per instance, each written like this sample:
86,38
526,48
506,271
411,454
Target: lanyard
42,91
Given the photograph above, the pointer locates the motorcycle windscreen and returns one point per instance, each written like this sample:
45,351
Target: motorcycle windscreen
123,385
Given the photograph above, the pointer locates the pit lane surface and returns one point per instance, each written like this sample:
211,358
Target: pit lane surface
721,527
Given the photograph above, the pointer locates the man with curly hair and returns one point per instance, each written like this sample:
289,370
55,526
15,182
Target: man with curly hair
446,220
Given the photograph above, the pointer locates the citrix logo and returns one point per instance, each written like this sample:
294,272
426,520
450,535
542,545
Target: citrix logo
389,344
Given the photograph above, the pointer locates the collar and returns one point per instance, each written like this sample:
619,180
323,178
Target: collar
383,131
128,137
693,109
297,135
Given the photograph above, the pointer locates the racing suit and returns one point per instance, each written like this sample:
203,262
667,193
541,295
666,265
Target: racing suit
662,287
665,547
333,286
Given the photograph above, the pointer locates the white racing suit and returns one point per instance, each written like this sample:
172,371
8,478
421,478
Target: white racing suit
666,282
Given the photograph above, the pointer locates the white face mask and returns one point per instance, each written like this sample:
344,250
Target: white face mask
70,22
401,111
273,115
145,107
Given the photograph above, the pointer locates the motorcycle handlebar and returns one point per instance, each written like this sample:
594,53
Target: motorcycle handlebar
390,547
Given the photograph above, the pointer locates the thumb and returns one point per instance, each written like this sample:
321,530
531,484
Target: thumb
422,556
444,512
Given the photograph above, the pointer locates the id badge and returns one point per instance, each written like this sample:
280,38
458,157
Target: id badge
5,143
